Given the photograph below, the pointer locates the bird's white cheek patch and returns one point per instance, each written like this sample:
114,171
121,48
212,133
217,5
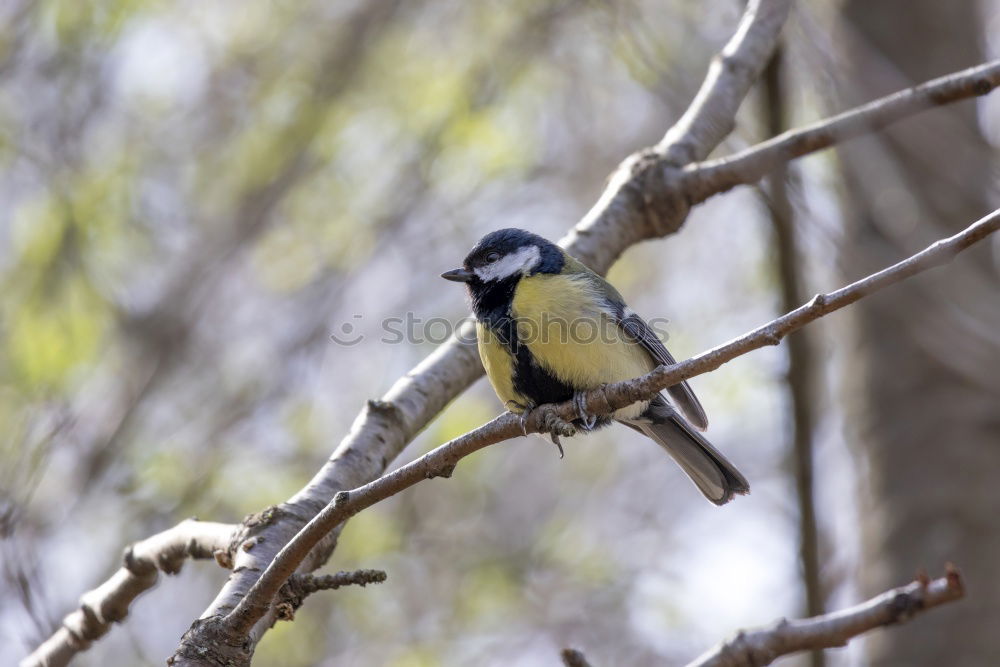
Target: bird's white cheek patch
522,261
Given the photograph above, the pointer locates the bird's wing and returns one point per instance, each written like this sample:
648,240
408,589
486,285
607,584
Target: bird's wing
636,328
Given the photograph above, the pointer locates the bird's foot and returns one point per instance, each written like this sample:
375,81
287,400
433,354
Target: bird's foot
523,412
556,426
550,420
587,420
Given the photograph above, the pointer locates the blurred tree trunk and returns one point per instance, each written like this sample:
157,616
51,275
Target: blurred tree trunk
925,394
801,381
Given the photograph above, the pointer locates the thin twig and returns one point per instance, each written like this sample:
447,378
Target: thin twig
440,462
143,561
757,648
300,586
749,166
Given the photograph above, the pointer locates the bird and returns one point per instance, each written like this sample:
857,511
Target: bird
549,329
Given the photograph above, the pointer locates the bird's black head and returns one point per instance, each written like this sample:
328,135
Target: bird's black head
506,255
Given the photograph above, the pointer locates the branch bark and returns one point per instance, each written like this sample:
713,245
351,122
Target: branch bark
761,647
441,461
143,561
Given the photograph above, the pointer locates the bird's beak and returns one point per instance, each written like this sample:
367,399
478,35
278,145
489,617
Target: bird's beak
458,275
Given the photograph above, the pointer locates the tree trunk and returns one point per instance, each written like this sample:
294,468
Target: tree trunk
925,377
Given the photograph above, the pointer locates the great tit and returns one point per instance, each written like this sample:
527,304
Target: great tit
549,329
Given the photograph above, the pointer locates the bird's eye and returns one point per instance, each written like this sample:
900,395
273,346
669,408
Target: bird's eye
492,257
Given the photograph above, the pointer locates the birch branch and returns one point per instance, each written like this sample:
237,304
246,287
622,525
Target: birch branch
143,561
441,461
757,648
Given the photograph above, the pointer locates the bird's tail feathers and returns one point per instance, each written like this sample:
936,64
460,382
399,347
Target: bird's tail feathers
712,473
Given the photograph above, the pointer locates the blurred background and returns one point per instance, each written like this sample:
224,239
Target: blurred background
196,195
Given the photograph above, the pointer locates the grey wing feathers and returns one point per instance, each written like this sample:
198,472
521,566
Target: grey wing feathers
682,394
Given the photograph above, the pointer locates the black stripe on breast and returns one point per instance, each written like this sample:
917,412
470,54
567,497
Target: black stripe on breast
535,382
491,305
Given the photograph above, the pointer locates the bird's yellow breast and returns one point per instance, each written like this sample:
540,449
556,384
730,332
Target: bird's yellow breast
564,321
499,365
